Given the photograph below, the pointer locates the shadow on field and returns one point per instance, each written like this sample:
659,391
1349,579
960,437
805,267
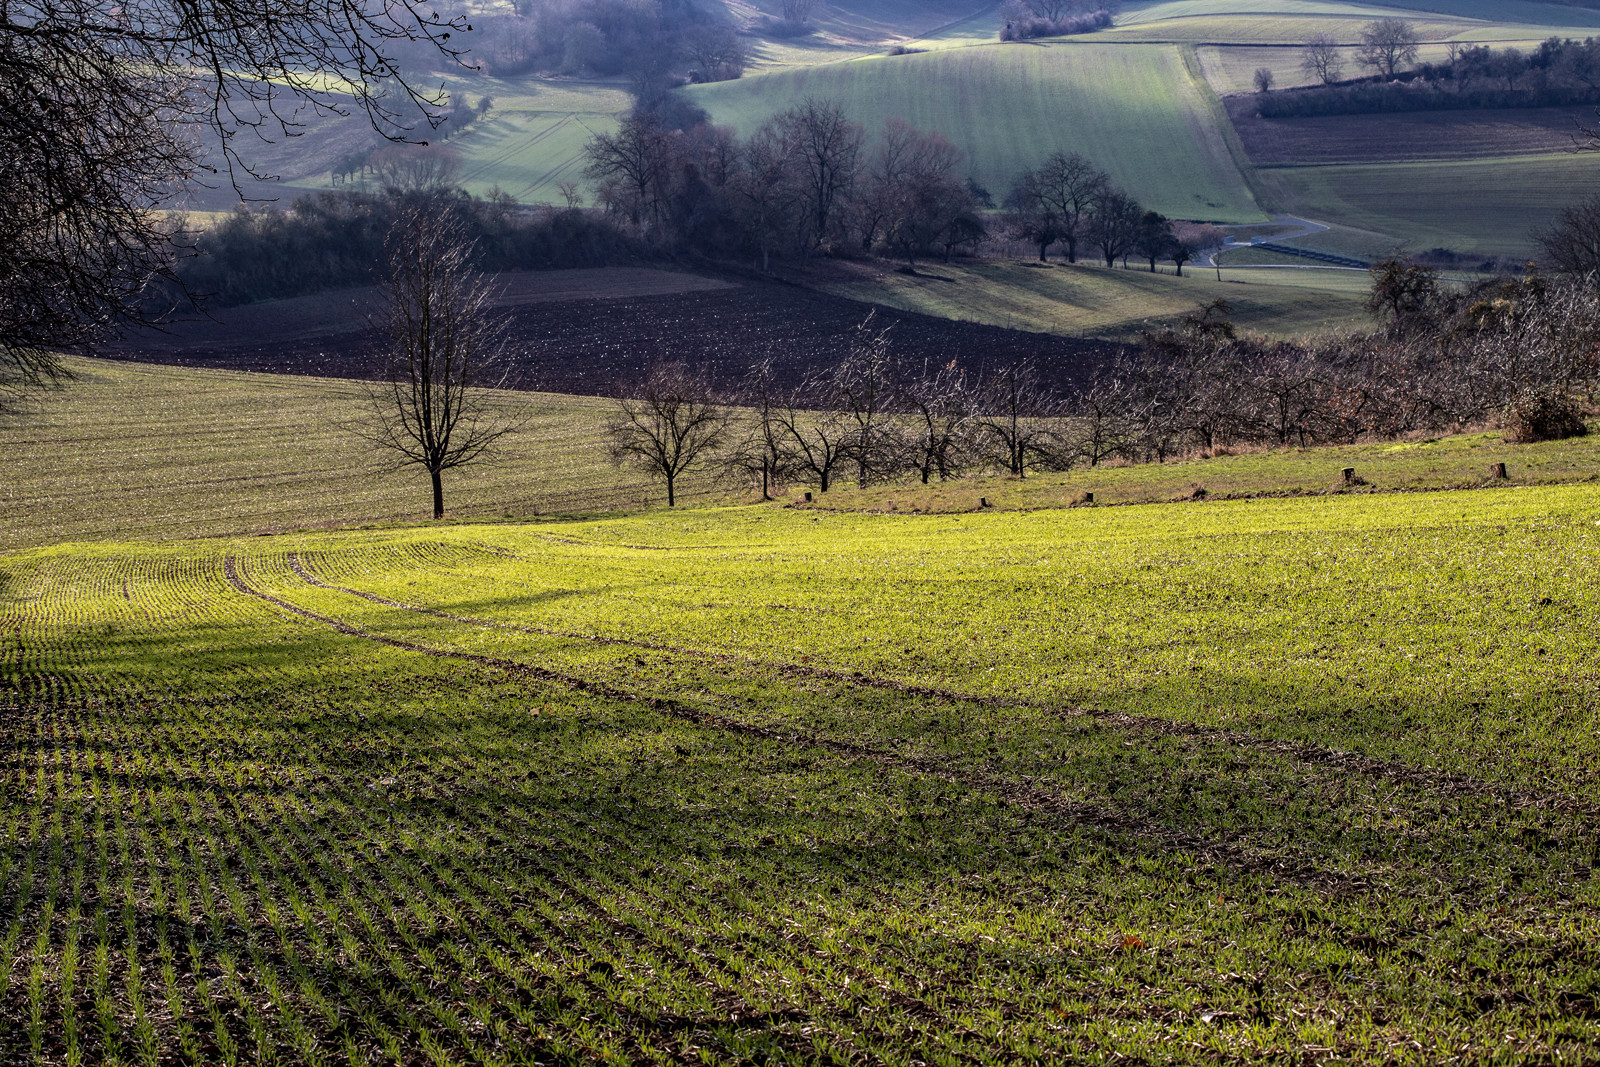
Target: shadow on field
432,850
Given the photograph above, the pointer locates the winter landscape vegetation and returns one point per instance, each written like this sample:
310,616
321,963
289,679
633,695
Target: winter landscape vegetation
896,531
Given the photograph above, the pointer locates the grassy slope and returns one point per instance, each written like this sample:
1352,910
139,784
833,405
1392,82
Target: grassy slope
1135,110
1062,298
157,453
1489,206
1261,781
149,451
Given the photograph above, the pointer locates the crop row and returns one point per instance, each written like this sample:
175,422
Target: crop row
232,833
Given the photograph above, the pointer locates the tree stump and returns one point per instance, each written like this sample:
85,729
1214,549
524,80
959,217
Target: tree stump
1348,474
808,498
1498,472
1088,498
983,501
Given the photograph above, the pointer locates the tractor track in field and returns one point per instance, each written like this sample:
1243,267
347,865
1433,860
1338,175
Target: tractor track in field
1321,756
1213,852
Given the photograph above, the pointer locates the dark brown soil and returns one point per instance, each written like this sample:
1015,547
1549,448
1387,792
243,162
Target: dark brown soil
589,345
1407,136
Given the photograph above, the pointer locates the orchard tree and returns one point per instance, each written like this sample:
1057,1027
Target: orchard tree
669,424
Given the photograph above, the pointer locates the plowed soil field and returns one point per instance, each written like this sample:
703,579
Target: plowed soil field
588,338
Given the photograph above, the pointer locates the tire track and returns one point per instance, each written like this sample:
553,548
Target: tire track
1210,851
1321,756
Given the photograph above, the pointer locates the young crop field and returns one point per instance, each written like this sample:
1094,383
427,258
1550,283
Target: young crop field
1290,781
1136,110
1086,299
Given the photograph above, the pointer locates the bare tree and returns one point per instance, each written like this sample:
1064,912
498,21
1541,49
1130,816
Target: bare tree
864,387
633,167
1263,79
1573,242
1114,226
440,348
815,434
1386,43
669,424
940,409
1322,59
415,168
766,197
1153,238
1031,215
758,450
1018,415
97,104
797,12
825,149
1065,188
716,52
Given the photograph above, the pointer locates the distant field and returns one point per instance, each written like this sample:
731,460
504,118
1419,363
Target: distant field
1488,206
1135,110
1089,299
1412,136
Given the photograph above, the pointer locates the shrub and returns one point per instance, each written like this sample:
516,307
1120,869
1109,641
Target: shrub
1534,415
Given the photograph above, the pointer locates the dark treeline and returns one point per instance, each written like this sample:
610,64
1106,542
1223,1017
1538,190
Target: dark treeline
649,40
807,182
1518,353
1559,73
1024,19
335,240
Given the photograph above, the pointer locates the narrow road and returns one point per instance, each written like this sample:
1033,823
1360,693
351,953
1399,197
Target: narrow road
1207,257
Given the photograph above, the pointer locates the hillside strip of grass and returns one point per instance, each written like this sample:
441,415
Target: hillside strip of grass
1489,206
1092,300
1276,780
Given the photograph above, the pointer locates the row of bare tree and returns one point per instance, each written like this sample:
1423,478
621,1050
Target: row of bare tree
1523,353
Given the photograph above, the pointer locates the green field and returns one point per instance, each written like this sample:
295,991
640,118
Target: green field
1282,781
160,452
1135,110
1086,299
1489,206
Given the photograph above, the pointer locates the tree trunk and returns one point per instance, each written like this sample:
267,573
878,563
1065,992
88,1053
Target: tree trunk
824,486
1042,248
766,483
672,498
1072,249
438,495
